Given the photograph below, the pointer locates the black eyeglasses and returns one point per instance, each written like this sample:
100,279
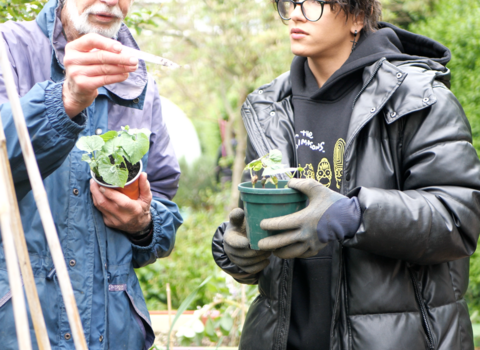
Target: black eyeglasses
311,9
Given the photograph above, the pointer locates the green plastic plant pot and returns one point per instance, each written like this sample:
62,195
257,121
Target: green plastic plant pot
264,203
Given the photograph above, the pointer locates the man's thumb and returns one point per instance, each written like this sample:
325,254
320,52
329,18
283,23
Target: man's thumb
144,188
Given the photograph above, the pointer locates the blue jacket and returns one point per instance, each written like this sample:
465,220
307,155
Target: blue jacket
100,260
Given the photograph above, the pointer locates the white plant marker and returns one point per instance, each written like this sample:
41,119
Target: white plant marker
43,206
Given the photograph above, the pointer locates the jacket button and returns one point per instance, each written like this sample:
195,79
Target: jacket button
75,192
68,336
373,110
136,100
260,92
347,178
72,263
98,131
399,75
101,338
393,114
426,99
272,114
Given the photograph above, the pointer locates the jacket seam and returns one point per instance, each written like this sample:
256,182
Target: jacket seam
436,145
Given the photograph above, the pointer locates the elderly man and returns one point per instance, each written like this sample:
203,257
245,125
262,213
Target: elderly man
73,81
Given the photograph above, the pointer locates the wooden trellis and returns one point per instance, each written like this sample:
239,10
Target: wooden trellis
13,237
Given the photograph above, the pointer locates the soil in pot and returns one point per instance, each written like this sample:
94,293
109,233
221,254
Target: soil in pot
132,171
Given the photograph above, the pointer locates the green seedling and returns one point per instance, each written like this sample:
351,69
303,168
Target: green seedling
271,163
106,154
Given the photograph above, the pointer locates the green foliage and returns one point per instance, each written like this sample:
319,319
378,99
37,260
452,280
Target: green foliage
271,164
106,154
185,304
405,12
203,207
197,187
473,293
456,25
20,10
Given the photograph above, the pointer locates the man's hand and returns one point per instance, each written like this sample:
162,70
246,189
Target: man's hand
237,247
301,237
119,211
92,61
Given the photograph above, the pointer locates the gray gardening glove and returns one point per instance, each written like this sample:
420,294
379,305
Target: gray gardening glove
237,247
301,238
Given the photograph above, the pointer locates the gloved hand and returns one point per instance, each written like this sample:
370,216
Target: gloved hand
237,247
306,232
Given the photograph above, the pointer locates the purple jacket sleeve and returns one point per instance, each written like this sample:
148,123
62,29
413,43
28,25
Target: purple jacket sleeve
162,168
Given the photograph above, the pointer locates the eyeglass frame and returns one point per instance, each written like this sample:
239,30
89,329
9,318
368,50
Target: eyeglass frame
295,3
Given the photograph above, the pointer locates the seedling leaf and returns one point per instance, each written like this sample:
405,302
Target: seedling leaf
86,158
90,143
275,155
274,170
109,135
113,174
135,149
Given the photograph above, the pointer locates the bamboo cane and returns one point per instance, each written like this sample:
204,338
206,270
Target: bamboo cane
14,277
244,300
21,248
43,206
169,307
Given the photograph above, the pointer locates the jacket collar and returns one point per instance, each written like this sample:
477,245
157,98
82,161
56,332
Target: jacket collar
123,93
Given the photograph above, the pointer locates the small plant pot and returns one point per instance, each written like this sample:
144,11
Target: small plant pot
131,189
265,203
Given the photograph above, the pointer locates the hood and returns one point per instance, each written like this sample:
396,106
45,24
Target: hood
394,44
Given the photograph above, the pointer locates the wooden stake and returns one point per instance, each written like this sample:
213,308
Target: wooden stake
244,301
43,206
18,301
21,248
169,306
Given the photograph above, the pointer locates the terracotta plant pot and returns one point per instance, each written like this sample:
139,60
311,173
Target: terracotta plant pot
269,202
131,189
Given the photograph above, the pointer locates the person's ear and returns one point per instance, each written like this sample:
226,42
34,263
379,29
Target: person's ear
357,23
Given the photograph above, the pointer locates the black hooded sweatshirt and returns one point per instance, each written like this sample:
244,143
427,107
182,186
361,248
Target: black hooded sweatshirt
321,118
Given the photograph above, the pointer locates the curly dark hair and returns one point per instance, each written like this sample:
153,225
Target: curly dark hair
372,9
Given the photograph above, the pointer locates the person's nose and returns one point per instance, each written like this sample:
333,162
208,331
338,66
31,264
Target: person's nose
297,14
110,2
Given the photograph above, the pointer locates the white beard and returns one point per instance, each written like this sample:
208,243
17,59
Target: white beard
83,26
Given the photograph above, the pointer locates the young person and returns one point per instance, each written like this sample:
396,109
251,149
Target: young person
379,258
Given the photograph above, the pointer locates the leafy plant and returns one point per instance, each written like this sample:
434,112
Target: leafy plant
107,153
271,163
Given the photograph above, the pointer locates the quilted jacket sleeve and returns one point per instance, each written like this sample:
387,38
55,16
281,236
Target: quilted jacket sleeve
436,216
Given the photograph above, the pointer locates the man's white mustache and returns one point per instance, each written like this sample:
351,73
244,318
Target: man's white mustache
100,8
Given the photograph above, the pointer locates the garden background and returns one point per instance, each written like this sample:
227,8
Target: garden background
228,48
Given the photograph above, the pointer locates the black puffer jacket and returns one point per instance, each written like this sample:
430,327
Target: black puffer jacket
400,282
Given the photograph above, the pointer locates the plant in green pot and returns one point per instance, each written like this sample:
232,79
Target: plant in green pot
268,197
115,158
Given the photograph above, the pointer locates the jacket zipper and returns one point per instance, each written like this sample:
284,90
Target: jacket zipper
281,331
423,311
